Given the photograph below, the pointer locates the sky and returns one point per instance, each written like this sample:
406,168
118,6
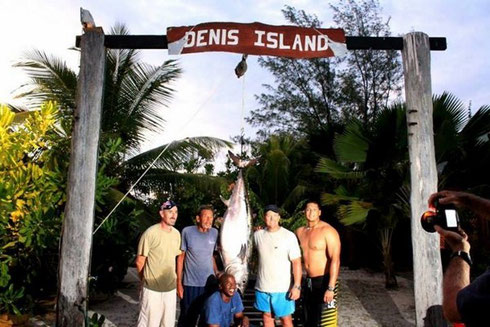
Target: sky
210,100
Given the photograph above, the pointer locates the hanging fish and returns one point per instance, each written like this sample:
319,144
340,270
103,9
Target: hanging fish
241,68
236,230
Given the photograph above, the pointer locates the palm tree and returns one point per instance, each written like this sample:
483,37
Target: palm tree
135,95
370,165
275,179
462,145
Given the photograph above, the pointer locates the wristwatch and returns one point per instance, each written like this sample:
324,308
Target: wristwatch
297,287
330,288
463,255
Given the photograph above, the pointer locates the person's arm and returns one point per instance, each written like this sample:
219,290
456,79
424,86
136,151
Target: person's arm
211,312
457,275
333,255
180,269
140,265
476,204
215,266
241,320
295,292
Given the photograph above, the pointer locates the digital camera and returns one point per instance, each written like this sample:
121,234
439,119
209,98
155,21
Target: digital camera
445,216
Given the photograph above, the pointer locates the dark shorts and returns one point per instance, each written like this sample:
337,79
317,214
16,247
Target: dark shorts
317,312
193,301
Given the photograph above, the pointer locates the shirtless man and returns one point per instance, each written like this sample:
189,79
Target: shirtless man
320,244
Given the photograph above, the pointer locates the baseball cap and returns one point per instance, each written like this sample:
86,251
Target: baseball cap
169,204
271,207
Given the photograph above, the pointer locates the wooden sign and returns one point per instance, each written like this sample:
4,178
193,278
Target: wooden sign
257,39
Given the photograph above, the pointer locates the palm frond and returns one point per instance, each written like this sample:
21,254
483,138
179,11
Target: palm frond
333,199
161,180
478,125
450,109
17,109
295,195
342,190
352,145
155,88
50,80
120,61
336,170
135,106
388,138
114,195
176,152
276,173
355,212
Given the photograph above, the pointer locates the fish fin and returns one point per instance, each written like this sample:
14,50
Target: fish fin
225,201
236,160
241,163
252,162
243,252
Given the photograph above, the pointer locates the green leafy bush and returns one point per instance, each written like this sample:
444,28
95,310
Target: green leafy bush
31,197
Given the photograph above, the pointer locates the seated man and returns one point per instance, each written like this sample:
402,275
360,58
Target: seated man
225,306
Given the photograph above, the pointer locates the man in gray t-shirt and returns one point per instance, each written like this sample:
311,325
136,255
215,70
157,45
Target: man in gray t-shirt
196,268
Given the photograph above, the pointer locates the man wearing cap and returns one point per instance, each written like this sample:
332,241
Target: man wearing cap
155,261
279,255
320,244
196,267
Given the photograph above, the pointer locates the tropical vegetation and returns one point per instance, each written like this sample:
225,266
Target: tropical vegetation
31,197
347,114
134,95
327,127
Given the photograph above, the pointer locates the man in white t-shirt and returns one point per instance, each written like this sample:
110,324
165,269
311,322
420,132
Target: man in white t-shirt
279,255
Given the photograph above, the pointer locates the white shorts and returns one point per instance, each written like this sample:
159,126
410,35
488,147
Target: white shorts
157,309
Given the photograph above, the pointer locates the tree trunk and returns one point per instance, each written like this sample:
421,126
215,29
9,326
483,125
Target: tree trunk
388,266
79,212
426,255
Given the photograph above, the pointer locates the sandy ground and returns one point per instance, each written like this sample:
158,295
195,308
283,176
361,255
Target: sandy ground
363,301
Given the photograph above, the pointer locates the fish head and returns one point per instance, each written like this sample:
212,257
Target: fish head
242,282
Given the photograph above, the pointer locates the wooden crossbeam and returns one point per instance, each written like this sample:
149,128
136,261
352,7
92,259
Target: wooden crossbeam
353,42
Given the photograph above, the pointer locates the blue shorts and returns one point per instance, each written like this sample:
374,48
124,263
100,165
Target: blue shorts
277,303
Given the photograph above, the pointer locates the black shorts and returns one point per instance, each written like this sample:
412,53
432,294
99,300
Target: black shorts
317,312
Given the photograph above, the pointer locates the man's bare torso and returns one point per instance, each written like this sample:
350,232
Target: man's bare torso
313,242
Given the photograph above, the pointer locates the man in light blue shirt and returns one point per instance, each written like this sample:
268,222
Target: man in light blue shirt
196,267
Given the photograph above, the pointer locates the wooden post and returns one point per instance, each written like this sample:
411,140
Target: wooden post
79,212
426,254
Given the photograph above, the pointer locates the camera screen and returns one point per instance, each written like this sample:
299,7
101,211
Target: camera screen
451,218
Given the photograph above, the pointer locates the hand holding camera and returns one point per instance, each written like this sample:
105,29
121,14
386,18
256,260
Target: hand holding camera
444,216
457,241
444,219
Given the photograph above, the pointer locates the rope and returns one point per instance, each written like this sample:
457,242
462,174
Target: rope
161,153
242,118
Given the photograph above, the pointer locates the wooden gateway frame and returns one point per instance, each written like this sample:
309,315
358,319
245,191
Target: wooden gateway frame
79,212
